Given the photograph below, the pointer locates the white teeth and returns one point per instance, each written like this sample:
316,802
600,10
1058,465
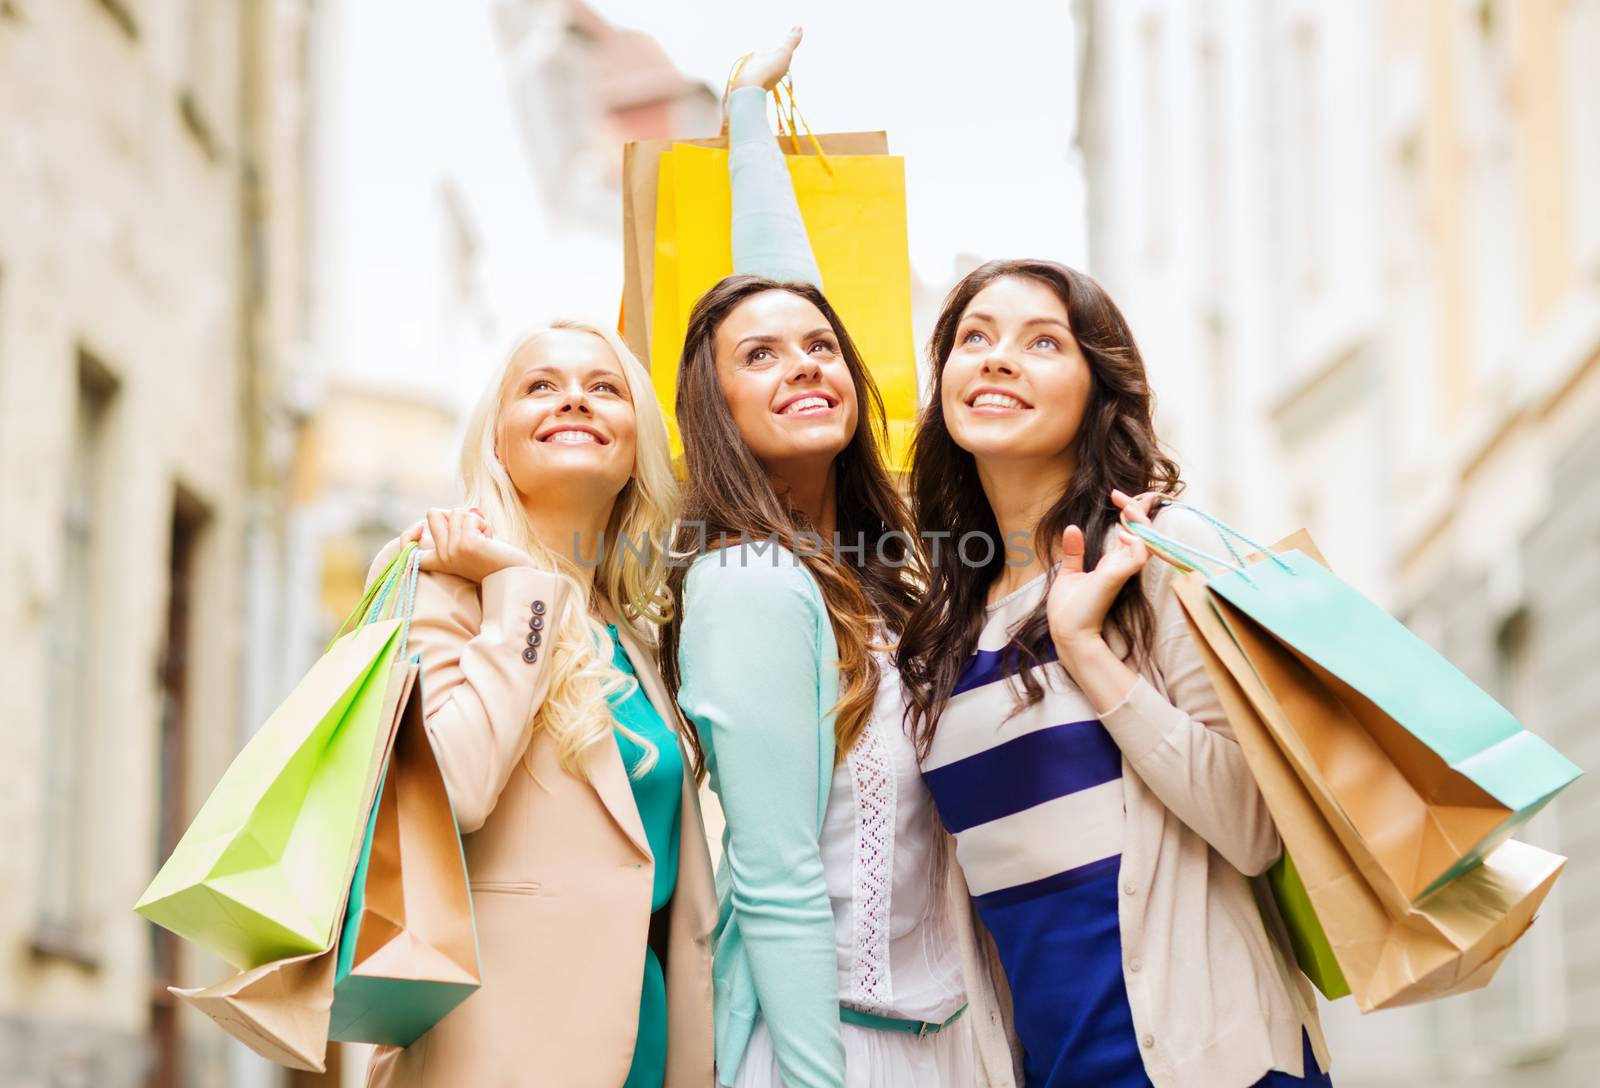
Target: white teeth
805,404
998,400
573,438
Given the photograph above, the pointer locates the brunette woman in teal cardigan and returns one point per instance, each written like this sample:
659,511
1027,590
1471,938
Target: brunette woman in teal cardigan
778,662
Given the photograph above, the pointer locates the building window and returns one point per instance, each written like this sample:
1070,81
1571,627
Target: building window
210,69
1583,89
1156,170
121,13
77,627
189,518
1495,253
1306,165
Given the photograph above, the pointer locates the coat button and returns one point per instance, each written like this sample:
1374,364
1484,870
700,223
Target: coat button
1129,887
534,638
530,655
535,624
1134,965
538,608
1147,1040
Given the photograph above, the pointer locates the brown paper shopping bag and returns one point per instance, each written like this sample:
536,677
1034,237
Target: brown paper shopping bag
1419,770
1389,954
641,164
409,950
281,1010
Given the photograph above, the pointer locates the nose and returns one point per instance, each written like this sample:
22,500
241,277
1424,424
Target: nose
999,361
805,369
575,400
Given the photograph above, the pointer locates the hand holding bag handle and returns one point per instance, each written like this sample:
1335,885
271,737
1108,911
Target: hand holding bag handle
1184,556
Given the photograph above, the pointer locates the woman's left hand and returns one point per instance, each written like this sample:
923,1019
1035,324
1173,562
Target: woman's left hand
1079,599
767,67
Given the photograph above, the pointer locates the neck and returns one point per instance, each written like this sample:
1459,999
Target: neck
810,489
573,528
1020,493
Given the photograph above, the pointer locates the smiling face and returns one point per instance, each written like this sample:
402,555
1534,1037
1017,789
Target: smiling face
566,417
786,382
1015,383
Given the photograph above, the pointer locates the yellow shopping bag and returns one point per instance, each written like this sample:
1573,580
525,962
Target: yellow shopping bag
854,207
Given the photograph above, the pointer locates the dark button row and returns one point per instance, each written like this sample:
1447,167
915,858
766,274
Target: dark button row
535,626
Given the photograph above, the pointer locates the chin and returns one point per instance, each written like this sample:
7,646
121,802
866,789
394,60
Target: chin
820,445
999,446
594,471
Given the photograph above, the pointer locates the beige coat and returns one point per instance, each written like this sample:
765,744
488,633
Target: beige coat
560,869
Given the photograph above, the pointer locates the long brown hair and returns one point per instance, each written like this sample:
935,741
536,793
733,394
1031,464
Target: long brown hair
1115,447
729,497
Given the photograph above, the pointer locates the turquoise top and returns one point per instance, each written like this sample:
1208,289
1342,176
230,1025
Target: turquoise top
760,676
659,794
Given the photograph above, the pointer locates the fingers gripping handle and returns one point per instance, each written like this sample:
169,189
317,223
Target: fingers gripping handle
1188,557
401,573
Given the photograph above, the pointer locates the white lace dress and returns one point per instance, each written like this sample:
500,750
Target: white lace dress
897,950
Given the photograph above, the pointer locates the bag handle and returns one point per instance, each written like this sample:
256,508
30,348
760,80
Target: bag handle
790,123
402,572
1187,557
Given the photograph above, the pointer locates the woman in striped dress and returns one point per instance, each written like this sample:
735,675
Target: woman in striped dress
1105,820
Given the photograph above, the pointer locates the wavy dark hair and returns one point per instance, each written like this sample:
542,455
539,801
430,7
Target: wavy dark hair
730,495
1115,447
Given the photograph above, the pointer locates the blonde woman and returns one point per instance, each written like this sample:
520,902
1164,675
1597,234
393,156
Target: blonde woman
570,777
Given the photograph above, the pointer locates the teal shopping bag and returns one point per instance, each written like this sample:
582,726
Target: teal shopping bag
261,872
408,951
1429,770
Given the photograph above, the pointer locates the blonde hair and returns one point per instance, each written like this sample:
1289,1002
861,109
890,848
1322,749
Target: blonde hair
576,711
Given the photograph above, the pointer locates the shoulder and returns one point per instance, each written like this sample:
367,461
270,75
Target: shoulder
749,584
759,569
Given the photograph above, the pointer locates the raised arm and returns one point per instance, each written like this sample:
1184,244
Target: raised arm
480,691
749,660
769,236
1179,744
482,681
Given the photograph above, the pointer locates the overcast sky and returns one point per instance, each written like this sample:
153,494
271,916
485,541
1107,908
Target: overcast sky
978,97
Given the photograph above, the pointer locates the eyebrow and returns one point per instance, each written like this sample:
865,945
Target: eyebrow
979,315
547,369
820,330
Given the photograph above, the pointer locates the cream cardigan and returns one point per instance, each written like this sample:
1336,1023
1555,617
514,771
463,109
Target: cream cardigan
1216,996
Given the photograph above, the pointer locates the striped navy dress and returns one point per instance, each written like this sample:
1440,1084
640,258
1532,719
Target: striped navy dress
1034,800
1035,803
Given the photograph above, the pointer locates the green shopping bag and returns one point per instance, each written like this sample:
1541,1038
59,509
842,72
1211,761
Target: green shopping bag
1421,770
1312,950
261,873
408,950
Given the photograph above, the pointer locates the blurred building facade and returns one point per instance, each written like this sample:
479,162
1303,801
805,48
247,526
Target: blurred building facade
151,232
448,222
1360,246
447,227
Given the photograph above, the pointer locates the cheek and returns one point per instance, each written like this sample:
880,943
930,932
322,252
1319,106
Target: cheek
848,400
1067,396
952,380
747,399
625,433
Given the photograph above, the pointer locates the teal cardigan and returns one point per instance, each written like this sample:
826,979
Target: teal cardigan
759,679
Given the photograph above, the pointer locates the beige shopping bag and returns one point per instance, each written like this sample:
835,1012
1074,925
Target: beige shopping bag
409,951
1391,954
